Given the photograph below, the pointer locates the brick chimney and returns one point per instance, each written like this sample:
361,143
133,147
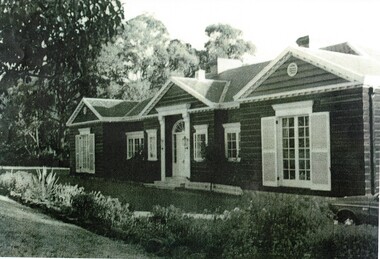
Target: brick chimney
200,74
223,64
303,41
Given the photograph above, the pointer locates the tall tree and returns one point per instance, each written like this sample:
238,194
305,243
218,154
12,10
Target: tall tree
51,46
225,42
141,58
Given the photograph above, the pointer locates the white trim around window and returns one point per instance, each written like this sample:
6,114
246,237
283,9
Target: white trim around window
296,147
135,143
152,144
85,151
200,139
232,141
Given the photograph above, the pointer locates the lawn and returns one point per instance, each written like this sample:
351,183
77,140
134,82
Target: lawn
144,198
26,232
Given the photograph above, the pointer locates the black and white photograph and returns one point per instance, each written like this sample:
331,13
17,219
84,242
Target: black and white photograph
189,129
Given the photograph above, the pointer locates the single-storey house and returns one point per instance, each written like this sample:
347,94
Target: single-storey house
306,122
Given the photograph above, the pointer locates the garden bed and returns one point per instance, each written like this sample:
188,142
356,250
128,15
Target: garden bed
265,224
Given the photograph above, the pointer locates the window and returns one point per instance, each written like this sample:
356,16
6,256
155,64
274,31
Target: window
135,143
200,139
152,144
296,147
232,141
85,151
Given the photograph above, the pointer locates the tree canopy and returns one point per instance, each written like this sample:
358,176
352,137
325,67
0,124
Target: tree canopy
141,58
225,42
47,49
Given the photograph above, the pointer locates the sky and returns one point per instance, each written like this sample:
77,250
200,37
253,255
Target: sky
272,25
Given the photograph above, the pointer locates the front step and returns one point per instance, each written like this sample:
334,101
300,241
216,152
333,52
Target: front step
171,183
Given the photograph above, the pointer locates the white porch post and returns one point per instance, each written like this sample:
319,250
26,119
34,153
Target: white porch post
162,144
186,119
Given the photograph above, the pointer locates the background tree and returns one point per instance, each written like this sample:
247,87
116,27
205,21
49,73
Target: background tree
225,42
50,46
141,58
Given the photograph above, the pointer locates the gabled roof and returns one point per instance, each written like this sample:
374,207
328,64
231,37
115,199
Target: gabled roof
350,67
238,78
344,47
207,91
108,109
111,107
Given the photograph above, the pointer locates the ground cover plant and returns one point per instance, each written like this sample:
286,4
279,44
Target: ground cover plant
265,225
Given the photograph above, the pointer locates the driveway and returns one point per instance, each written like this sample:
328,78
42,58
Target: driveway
27,233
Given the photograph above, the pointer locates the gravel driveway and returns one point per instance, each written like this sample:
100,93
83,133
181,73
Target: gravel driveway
25,232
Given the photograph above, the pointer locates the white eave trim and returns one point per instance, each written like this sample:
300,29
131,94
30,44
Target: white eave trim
156,98
192,92
78,109
305,56
315,90
97,114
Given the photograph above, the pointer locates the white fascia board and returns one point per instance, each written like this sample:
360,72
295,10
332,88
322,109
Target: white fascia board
193,92
84,123
314,90
264,71
156,98
75,113
307,57
92,109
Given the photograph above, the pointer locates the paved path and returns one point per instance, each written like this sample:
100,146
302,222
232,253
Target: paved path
25,232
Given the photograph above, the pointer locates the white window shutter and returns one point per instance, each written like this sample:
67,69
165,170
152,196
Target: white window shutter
91,153
269,151
320,151
77,153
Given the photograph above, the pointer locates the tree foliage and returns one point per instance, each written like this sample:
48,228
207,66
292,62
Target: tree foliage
47,51
141,58
225,42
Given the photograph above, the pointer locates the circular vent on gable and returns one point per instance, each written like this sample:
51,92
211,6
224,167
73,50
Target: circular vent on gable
292,69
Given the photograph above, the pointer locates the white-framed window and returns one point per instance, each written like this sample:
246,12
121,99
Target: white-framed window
232,141
296,147
152,144
200,141
135,143
85,151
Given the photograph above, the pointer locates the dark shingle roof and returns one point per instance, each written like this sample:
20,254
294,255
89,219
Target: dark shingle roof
110,107
239,77
138,108
210,89
342,48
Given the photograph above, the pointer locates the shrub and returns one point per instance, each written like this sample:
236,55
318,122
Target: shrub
18,184
63,194
345,242
106,211
275,224
44,184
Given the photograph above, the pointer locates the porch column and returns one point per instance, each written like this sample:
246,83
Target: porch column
161,119
186,119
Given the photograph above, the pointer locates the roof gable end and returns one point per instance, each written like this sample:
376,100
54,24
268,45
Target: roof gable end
304,55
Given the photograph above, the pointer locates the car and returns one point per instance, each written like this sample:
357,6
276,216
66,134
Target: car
356,209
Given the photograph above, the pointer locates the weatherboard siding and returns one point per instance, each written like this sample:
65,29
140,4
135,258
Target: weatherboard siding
97,130
308,76
201,170
346,140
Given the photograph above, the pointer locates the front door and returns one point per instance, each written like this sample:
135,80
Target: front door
179,142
